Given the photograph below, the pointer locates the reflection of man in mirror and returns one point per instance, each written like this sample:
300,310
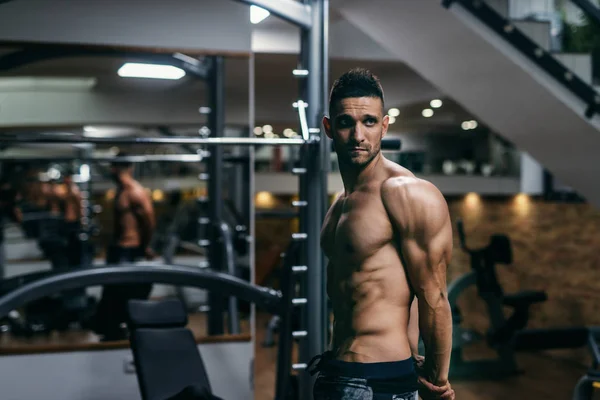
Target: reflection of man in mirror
9,197
134,224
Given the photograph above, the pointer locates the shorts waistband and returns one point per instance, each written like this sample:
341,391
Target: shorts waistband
378,371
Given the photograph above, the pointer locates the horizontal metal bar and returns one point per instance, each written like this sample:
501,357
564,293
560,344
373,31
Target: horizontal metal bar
177,275
387,144
142,158
299,301
224,141
193,247
275,213
299,268
289,10
299,334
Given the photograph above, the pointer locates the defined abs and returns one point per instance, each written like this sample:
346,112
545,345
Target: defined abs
376,333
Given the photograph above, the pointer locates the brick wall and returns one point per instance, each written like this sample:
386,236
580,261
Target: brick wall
555,248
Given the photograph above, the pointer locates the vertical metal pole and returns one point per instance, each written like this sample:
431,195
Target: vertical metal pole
216,124
304,351
87,212
250,194
325,156
314,190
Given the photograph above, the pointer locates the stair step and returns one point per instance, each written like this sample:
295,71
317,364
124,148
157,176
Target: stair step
538,31
579,63
501,6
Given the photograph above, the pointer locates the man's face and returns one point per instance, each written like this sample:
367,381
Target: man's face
356,127
114,172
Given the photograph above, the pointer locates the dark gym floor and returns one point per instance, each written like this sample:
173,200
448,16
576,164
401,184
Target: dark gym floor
546,375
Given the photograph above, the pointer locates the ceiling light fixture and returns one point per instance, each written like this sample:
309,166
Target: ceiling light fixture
393,112
427,113
436,103
468,125
150,71
258,14
204,110
300,72
267,129
392,120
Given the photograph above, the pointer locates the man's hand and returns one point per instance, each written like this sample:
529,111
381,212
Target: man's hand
427,390
149,254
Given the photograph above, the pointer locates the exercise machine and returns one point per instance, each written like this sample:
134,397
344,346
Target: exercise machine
505,335
589,384
483,276
168,364
44,315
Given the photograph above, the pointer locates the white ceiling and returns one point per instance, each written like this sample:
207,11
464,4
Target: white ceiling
275,88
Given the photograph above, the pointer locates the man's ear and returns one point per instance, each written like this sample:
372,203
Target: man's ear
385,125
327,126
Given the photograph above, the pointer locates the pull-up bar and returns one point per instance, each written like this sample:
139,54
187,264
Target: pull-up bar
224,141
386,143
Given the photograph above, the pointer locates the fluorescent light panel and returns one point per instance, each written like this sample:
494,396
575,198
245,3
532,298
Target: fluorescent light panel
150,71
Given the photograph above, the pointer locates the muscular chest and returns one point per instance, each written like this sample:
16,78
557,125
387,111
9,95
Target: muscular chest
122,203
359,229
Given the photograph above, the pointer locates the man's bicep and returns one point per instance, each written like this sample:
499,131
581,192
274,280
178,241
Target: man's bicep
142,205
427,247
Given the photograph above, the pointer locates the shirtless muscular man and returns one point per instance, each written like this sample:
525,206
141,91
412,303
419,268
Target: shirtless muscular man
134,224
388,239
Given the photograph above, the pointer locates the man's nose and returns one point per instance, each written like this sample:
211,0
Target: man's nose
358,133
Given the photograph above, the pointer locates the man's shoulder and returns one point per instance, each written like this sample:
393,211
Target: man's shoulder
136,191
410,189
413,203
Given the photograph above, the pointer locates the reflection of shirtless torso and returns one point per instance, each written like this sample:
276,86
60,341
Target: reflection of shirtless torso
72,204
127,232
367,282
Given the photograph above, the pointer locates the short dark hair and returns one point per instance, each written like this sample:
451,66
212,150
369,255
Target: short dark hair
358,82
121,163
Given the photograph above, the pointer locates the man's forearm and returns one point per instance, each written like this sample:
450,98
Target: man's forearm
146,234
146,225
435,324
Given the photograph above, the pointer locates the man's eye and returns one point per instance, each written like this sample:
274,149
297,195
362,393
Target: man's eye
370,121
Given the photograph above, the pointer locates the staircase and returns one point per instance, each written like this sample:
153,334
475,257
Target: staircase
504,70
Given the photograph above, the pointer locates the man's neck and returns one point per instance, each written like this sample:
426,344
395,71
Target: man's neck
124,180
353,177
